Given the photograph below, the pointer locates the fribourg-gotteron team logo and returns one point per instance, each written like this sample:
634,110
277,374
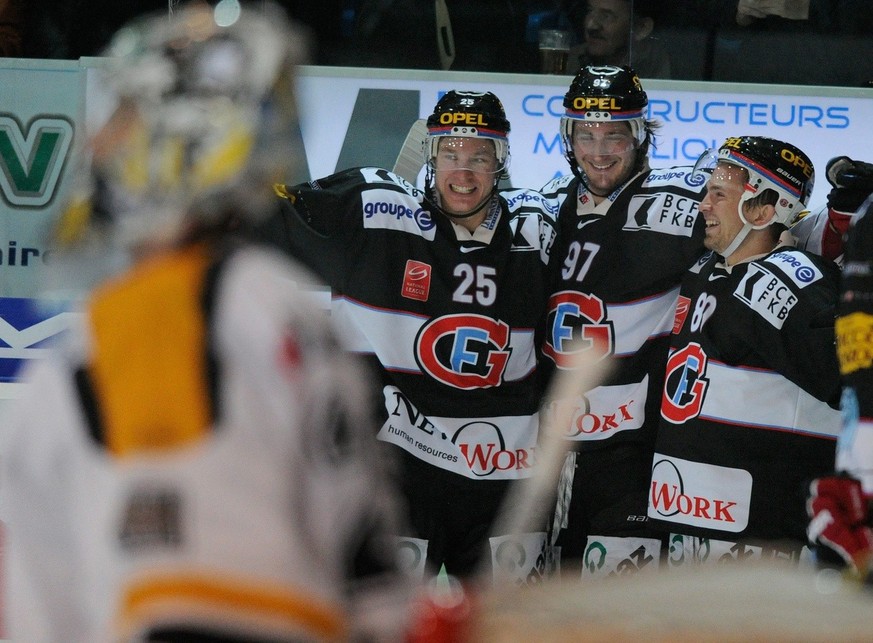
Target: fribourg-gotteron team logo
577,323
464,351
685,384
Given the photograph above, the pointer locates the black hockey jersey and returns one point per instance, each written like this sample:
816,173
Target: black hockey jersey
617,266
449,318
854,328
748,407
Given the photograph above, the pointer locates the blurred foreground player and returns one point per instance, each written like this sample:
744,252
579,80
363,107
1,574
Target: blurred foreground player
196,464
839,505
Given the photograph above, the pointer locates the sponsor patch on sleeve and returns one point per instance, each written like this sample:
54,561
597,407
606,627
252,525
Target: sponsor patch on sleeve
799,268
683,305
416,280
662,212
766,294
391,210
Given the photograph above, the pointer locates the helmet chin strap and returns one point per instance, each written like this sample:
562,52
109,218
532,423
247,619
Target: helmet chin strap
583,178
733,245
744,231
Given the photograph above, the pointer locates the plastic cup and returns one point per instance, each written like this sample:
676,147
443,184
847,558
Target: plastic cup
554,51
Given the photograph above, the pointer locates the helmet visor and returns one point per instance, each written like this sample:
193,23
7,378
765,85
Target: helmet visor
455,153
590,139
704,166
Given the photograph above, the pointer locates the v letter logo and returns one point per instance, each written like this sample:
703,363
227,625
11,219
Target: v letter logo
31,161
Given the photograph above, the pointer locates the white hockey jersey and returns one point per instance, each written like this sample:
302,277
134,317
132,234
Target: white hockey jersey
198,461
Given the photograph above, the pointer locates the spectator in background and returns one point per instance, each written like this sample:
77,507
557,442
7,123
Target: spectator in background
11,28
748,11
619,32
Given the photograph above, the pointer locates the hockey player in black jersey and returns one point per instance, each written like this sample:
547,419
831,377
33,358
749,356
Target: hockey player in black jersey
627,234
442,289
839,504
748,412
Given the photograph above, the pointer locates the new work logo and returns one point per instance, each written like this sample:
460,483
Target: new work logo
32,158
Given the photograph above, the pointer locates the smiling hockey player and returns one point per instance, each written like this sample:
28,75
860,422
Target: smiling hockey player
748,412
442,289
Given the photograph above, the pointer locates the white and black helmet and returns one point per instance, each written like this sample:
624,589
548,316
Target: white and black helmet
205,119
772,165
469,115
605,94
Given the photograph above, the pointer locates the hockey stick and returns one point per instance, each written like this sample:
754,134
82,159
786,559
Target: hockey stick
528,501
411,157
445,38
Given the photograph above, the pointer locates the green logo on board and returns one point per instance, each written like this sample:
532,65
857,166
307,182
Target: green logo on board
32,158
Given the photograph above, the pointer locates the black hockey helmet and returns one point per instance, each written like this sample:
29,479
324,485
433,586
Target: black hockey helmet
472,115
605,93
601,94
774,165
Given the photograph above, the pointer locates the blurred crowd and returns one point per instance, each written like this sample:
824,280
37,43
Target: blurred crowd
805,42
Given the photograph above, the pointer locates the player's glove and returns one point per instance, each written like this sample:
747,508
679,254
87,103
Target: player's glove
851,181
838,512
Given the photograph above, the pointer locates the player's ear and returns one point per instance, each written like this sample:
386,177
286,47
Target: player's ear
761,215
